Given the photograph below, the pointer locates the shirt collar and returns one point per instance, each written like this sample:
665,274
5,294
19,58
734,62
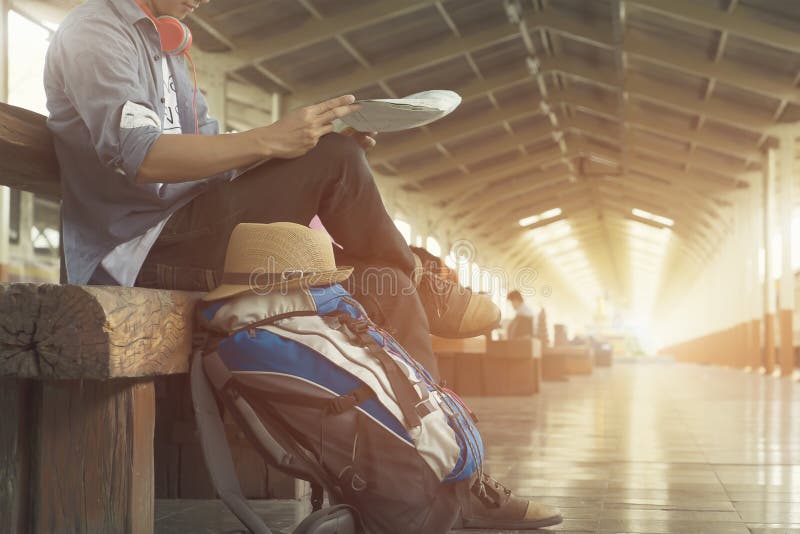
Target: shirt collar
129,10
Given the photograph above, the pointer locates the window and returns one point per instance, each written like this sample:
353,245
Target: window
642,214
433,246
27,43
533,219
404,228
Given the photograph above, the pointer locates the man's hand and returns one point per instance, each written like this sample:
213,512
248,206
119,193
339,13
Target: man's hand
300,130
365,139
183,158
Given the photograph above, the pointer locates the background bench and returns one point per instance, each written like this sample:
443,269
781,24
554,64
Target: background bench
480,367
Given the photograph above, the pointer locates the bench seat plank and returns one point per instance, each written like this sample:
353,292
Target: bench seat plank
27,158
53,331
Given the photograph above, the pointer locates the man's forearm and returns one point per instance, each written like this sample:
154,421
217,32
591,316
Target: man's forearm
183,158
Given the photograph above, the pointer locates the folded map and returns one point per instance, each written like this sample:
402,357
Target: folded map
394,114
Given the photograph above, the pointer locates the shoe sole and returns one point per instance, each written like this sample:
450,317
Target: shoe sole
485,524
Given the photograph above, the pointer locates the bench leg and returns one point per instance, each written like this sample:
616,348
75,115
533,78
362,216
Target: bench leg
85,451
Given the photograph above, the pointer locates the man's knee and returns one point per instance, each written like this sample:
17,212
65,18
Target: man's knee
337,147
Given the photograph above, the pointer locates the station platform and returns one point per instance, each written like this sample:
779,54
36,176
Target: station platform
645,446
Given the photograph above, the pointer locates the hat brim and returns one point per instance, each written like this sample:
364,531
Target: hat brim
312,280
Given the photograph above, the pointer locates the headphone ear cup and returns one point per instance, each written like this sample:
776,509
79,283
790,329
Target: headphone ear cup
176,38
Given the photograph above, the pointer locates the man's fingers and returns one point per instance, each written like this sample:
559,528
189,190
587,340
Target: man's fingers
325,129
336,113
339,101
368,143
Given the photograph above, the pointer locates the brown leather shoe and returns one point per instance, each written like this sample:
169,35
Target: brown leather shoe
454,311
492,506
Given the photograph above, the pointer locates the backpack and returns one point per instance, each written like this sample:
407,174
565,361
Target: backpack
328,396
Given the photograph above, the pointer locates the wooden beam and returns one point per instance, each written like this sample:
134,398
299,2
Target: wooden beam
445,48
249,95
680,59
64,332
479,180
487,150
612,134
243,113
672,96
27,157
79,454
697,64
317,30
212,30
569,200
702,181
743,22
642,120
448,130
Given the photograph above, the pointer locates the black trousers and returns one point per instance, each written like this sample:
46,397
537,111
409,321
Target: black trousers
334,181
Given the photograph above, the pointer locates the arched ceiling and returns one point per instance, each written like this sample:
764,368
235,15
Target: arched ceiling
595,107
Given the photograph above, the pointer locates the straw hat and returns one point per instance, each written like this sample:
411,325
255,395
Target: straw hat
276,257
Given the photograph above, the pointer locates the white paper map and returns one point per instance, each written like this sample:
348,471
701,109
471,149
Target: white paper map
394,114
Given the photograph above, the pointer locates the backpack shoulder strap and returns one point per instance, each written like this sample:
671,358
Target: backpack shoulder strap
217,452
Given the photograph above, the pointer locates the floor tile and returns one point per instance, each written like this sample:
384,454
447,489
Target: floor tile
636,448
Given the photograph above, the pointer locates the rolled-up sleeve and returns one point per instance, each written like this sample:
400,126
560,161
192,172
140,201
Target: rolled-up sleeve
100,72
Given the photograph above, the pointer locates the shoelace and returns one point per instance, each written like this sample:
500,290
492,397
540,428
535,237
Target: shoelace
498,485
440,289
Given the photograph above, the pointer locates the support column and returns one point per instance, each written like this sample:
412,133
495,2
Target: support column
5,194
769,284
277,106
213,82
752,251
77,455
786,314
741,278
5,6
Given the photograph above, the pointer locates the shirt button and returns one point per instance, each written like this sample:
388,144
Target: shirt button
163,100
156,58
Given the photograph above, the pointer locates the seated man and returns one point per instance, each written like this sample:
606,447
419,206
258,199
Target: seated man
522,325
143,207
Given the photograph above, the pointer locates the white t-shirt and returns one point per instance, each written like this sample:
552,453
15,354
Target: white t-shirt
125,261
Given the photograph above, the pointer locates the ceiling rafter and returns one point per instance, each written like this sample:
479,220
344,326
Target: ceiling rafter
453,129
672,97
317,30
738,22
443,49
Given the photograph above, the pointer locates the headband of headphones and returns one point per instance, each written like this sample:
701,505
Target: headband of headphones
176,38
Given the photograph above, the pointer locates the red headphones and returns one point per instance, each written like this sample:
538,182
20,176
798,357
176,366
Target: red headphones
176,40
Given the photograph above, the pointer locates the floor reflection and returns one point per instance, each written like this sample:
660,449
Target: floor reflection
642,447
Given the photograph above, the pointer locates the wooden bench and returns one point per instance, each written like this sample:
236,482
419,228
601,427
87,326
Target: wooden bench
554,365
578,359
604,354
512,367
480,367
460,363
78,404
78,371
87,375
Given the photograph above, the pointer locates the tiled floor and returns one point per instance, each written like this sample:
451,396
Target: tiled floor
647,447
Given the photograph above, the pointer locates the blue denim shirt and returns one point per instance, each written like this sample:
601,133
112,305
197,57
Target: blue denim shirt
104,59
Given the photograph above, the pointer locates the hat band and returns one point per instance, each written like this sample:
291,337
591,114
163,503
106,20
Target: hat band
263,279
